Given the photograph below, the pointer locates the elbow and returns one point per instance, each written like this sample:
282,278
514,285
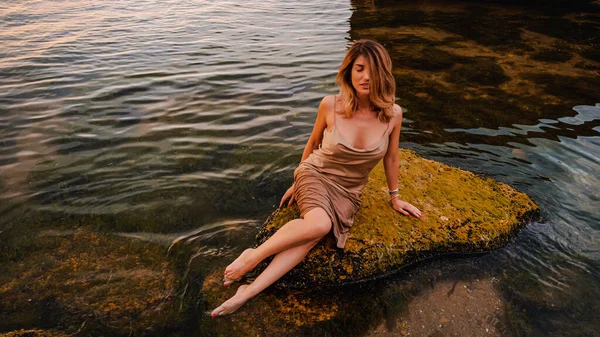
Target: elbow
313,143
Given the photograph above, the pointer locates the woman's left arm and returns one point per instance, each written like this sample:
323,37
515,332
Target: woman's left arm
391,163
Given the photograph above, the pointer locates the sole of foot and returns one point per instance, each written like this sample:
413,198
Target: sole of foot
233,304
238,268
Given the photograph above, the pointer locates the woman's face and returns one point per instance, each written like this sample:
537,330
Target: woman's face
360,76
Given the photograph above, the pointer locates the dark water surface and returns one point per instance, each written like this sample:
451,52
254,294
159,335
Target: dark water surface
181,122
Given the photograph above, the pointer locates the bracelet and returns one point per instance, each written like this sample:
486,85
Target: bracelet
393,196
393,191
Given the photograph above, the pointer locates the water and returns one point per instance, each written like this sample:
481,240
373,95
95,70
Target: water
181,122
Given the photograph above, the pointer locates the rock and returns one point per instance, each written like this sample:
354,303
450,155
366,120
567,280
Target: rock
292,312
33,333
463,213
85,281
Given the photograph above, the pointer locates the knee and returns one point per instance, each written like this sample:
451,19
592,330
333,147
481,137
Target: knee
319,222
321,228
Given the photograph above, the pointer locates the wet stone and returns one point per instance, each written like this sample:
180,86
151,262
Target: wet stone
463,213
86,281
481,71
552,55
33,333
296,312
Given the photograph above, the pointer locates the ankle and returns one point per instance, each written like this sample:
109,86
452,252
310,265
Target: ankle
248,292
253,257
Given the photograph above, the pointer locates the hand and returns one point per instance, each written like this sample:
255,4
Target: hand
288,194
405,207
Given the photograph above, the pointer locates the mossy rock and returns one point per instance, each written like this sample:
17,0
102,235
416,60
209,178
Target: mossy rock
76,280
33,333
297,312
481,71
552,55
463,213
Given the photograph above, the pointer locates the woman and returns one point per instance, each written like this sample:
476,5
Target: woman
353,131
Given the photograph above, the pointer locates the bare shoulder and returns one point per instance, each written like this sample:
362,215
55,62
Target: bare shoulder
328,102
326,107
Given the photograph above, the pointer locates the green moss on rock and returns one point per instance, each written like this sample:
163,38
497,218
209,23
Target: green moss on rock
300,312
483,71
463,213
76,279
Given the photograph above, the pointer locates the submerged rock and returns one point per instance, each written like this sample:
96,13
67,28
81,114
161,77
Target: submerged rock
84,281
291,312
33,333
463,213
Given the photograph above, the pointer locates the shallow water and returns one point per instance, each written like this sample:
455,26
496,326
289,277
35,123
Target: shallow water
179,124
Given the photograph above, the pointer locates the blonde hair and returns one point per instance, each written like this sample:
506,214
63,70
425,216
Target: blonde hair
382,84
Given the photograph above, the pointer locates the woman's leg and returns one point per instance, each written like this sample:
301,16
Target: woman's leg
281,264
315,225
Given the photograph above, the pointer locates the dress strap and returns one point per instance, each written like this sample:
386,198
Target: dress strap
334,100
334,112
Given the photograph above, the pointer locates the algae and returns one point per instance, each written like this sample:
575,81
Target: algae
300,312
483,71
86,281
470,65
368,308
33,333
463,213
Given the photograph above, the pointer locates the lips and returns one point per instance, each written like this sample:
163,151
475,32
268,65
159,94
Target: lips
364,86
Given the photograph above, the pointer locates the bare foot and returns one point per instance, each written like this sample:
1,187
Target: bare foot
232,304
238,268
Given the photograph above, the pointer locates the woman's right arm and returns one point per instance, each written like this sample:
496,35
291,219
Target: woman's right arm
325,108
316,136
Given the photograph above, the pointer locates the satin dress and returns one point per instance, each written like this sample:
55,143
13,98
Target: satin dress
333,176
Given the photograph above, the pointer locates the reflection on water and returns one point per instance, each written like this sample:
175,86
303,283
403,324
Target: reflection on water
471,65
178,124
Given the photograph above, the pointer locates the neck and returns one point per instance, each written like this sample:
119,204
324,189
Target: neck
364,103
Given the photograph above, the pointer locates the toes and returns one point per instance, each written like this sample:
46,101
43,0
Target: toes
219,311
227,282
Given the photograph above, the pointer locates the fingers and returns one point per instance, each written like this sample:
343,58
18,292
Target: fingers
415,211
285,196
403,212
400,209
281,202
288,194
407,209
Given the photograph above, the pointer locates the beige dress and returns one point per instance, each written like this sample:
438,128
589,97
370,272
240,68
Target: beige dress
333,176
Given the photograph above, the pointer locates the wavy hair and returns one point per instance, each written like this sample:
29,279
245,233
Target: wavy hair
382,85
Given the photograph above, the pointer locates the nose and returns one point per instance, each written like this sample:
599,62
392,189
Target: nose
366,75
